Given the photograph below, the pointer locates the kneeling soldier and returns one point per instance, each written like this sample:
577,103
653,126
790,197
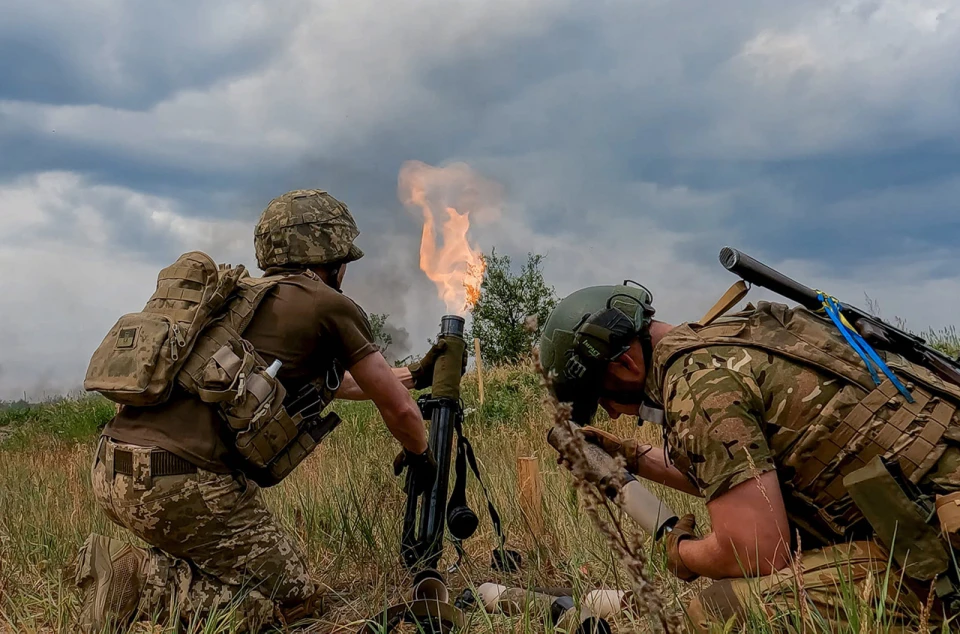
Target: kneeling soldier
184,474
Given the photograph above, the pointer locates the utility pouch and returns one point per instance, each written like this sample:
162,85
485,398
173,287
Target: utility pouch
305,442
948,512
250,400
900,523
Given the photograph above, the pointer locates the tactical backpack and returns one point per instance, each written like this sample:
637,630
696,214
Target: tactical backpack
190,334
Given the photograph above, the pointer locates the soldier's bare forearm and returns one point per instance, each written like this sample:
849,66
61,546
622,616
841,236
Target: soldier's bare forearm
653,466
710,558
750,535
350,391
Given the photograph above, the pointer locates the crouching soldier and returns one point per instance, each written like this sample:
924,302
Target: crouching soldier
223,378
792,440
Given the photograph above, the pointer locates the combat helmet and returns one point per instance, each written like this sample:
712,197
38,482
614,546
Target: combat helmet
587,330
305,227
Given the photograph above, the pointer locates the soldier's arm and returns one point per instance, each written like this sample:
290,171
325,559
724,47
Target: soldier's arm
653,466
350,391
375,378
750,536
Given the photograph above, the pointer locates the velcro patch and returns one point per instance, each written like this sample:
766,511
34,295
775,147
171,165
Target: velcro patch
127,337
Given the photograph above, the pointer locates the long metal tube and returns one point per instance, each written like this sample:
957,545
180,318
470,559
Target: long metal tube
423,548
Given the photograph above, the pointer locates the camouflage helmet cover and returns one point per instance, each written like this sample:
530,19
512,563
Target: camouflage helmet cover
585,331
305,227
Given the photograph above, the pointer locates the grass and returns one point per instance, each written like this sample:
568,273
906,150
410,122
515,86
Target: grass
345,507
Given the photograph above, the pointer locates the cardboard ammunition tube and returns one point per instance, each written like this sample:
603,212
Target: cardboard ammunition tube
579,621
561,611
602,603
428,585
489,594
607,603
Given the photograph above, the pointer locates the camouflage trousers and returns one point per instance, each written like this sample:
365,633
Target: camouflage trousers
216,548
826,579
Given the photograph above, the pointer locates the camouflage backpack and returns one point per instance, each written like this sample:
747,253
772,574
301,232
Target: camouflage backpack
190,333
141,355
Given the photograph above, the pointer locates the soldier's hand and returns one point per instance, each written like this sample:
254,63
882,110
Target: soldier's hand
613,445
610,443
682,530
422,371
423,466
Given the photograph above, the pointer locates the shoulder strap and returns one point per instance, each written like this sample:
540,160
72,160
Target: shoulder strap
466,456
737,291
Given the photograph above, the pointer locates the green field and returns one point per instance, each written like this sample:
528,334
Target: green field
345,507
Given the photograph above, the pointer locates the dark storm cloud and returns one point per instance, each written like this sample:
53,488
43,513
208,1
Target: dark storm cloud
130,56
630,138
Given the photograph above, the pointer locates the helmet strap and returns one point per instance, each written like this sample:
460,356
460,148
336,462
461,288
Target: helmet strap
334,282
646,345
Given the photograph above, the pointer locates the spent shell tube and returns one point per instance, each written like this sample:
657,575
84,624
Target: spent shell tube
428,585
561,611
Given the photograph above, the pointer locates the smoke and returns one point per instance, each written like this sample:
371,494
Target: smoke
399,342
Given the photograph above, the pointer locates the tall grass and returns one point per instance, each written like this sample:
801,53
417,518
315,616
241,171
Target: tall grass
343,505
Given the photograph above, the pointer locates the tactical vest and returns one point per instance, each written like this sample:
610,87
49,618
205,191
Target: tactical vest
190,333
861,422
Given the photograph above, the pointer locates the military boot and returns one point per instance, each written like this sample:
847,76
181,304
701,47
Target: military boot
109,574
312,607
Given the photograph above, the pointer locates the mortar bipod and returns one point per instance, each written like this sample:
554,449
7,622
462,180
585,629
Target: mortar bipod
427,605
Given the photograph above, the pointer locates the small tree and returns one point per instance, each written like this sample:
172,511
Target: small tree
378,326
506,301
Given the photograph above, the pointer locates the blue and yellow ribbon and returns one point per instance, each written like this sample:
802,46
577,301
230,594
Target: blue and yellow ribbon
870,357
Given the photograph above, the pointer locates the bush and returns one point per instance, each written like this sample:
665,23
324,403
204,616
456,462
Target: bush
506,301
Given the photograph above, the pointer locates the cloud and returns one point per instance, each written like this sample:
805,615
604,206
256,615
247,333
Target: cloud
631,140
67,52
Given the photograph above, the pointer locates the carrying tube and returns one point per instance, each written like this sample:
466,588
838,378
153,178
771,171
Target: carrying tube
643,507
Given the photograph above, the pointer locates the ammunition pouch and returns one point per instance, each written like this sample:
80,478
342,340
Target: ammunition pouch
270,440
900,520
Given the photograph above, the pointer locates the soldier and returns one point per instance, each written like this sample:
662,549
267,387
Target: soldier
170,475
774,421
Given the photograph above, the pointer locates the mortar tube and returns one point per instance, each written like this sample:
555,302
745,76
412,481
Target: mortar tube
446,375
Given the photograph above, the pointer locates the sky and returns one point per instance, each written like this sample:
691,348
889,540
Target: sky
629,138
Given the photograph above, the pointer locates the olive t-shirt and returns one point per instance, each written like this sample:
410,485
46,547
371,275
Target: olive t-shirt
302,322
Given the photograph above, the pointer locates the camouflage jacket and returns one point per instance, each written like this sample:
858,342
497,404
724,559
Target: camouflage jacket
772,388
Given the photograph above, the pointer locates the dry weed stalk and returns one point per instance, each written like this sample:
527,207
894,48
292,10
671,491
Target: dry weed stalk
627,547
801,587
926,609
866,598
756,476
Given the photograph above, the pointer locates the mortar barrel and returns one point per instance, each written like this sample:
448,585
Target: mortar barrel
446,371
452,325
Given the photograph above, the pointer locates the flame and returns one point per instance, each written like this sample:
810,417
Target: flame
456,266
